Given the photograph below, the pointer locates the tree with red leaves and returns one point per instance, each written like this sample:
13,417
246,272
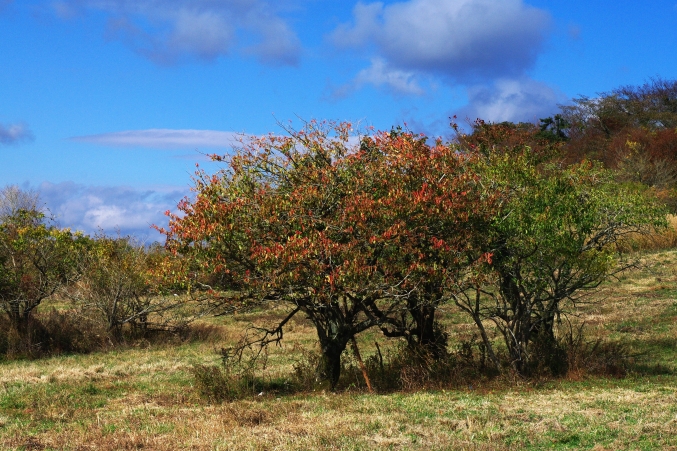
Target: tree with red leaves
353,237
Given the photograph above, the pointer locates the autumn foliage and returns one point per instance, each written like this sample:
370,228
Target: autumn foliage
352,236
631,130
509,224
382,230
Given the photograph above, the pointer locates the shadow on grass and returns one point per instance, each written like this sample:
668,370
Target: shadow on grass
654,352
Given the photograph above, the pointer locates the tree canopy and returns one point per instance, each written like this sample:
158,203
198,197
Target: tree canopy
353,237
632,130
382,233
36,259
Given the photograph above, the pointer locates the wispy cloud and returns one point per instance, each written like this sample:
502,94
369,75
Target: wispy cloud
574,32
173,31
14,134
110,208
160,138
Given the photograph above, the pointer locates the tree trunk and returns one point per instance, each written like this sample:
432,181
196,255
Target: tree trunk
331,361
363,367
19,319
333,338
517,332
427,335
20,339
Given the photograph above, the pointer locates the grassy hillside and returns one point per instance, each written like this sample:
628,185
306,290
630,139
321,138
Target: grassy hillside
144,397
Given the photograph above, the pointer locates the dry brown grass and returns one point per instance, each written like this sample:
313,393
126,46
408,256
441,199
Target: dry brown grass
657,240
143,397
617,417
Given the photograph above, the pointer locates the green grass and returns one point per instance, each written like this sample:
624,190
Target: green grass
144,397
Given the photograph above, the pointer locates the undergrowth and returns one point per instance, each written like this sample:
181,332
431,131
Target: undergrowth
403,369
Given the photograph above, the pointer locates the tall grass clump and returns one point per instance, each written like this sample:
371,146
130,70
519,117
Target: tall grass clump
665,238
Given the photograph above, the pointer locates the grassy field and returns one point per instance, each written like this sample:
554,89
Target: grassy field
144,397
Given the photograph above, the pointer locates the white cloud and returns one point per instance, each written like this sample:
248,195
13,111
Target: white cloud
160,138
486,47
111,209
380,75
400,81
14,134
114,216
512,100
171,31
461,40
363,28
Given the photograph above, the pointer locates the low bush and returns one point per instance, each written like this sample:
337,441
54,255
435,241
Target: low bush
213,384
200,332
596,357
65,331
51,333
307,368
406,368
242,374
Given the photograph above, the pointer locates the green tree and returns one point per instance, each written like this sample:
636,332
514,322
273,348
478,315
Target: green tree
553,239
36,259
119,283
554,128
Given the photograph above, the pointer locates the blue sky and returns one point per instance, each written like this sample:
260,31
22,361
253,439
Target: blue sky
106,105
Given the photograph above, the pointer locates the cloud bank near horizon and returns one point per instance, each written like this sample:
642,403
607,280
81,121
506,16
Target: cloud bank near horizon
514,100
111,209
